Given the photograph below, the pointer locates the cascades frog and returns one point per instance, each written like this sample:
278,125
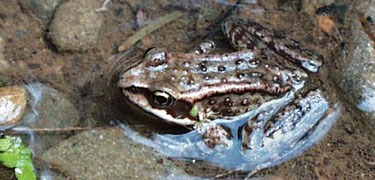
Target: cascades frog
247,107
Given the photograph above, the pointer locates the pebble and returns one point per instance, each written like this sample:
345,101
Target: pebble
76,25
12,104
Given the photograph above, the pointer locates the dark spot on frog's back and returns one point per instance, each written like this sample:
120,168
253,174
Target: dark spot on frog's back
240,75
203,66
239,61
221,68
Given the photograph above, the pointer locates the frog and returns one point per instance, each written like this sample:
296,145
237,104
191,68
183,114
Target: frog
244,104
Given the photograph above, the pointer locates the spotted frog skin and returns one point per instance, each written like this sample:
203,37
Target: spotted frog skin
251,97
172,85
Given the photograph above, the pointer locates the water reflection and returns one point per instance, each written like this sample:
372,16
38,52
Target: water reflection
265,152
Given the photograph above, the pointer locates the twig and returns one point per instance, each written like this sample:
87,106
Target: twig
149,29
15,131
104,6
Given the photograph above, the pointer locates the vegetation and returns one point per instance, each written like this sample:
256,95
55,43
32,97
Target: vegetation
13,154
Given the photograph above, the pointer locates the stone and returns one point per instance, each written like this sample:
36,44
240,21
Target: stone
50,108
310,6
12,104
108,154
43,9
357,74
76,25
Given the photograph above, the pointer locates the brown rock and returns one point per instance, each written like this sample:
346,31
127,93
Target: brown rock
76,25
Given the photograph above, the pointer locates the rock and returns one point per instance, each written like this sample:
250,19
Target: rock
357,74
76,25
12,104
53,109
310,6
50,109
108,154
43,9
3,64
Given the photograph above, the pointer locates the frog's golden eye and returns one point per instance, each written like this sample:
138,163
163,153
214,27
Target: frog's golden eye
162,98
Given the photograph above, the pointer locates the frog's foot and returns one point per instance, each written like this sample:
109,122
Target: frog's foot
275,133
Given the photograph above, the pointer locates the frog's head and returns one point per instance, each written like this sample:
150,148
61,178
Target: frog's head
149,85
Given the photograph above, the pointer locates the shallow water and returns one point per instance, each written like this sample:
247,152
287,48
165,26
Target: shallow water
84,78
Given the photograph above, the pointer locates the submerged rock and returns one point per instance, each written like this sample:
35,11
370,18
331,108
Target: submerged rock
12,104
109,154
43,9
76,25
358,76
50,108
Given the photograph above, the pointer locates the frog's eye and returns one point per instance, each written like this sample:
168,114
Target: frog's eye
162,98
370,19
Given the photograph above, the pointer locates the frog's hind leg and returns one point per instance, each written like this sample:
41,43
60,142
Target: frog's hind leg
276,132
249,34
273,139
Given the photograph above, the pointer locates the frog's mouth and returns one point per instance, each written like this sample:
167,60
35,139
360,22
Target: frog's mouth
181,112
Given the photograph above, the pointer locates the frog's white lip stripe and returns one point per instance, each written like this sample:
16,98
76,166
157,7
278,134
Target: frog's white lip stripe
143,103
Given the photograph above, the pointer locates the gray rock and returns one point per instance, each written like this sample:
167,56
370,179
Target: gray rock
50,109
43,9
109,154
310,6
76,25
358,76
